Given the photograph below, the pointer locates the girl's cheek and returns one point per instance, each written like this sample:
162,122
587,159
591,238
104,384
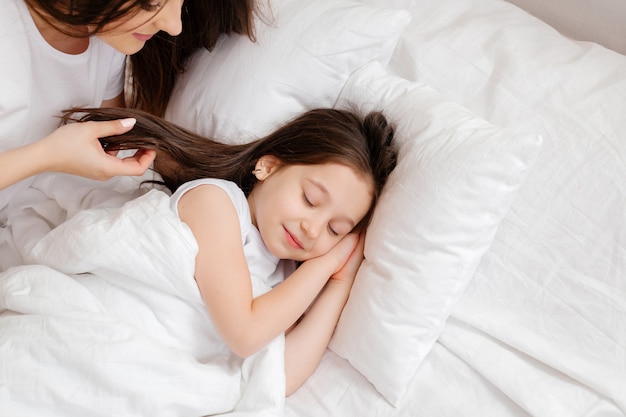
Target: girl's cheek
325,246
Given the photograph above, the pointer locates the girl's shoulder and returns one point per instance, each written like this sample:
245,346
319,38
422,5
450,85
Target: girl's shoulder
231,189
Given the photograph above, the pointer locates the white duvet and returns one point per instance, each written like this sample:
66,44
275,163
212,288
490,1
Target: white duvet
108,321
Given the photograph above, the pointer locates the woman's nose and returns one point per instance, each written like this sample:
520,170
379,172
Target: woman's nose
169,18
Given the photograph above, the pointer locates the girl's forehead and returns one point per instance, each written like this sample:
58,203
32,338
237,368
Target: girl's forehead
330,168
337,177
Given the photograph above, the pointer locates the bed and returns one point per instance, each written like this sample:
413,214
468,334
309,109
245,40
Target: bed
495,275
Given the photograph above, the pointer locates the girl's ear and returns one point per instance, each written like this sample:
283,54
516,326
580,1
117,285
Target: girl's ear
265,166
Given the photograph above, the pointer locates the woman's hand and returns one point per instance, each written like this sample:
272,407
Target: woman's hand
75,149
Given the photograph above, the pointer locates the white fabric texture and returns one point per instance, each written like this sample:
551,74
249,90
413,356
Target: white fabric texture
53,198
111,321
540,329
455,179
37,81
303,55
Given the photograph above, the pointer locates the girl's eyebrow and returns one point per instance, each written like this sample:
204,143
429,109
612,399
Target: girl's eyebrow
320,186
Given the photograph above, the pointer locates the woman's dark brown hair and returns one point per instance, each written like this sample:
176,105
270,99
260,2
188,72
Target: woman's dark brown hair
66,14
155,68
318,136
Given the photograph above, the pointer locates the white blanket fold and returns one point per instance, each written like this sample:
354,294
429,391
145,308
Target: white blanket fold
108,320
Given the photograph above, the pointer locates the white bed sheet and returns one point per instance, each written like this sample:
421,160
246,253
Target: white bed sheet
104,317
541,329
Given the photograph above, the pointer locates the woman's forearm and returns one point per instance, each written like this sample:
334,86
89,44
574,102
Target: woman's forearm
20,163
74,149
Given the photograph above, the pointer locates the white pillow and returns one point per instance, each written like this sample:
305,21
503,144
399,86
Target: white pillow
302,58
455,179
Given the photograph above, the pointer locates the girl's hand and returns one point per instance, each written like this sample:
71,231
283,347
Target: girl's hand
347,273
75,149
344,257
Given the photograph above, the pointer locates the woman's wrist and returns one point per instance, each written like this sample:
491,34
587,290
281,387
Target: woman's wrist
41,158
21,163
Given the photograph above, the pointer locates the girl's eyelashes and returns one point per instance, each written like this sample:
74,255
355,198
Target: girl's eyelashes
309,203
307,200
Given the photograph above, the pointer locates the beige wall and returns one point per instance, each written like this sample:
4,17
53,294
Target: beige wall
601,21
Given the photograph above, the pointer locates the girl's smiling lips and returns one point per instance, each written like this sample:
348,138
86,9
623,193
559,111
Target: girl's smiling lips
292,240
142,37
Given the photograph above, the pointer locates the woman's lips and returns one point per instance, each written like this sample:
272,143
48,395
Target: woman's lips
291,239
142,37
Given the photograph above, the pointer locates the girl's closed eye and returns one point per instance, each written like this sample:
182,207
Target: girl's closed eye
332,231
307,200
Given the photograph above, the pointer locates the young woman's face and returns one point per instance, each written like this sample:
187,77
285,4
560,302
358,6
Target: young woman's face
129,34
302,211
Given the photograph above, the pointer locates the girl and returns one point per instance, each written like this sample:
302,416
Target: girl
306,192
64,53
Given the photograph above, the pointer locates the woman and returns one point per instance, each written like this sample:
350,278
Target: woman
65,54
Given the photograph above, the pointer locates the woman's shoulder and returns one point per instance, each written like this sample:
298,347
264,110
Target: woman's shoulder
12,14
14,45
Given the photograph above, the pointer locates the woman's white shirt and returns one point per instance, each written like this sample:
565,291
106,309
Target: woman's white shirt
37,81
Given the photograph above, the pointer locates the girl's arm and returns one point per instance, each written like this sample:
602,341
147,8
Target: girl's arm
222,274
73,149
306,342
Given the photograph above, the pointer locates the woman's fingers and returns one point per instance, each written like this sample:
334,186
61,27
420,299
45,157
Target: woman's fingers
138,163
112,127
75,149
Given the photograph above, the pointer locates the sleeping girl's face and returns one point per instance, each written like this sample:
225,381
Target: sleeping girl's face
302,211
129,34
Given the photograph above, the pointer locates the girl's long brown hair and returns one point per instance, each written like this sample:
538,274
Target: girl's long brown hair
318,136
154,69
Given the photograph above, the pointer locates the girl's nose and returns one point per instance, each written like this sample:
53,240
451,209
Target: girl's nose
312,227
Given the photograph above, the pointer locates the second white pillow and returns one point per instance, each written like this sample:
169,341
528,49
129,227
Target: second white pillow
454,182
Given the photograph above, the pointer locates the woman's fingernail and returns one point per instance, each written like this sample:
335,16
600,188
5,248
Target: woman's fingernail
128,122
